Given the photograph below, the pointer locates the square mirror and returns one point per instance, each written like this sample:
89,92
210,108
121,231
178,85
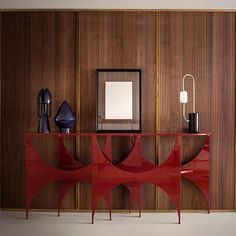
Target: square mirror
118,100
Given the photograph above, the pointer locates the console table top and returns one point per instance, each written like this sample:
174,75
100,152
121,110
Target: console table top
142,134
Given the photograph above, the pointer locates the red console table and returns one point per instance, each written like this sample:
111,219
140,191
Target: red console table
104,176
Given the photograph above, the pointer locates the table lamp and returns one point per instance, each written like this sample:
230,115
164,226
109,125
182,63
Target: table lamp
193,117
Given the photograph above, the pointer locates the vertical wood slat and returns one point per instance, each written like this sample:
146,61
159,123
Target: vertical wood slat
39,52
146,59
223,110
78,114
202,44
117,40
157,100
53,57
235,127
0,109
65,77
43,76
170,77
15,84
196,59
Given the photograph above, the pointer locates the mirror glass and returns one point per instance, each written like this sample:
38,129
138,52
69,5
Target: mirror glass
118,100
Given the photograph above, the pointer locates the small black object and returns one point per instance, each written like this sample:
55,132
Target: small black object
65,118
44,110
193,122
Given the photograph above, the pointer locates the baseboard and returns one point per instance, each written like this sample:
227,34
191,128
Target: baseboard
117,210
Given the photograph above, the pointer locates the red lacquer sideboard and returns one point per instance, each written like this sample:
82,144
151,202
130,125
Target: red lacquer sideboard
103,175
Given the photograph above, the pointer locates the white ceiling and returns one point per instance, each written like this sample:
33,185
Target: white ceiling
118,4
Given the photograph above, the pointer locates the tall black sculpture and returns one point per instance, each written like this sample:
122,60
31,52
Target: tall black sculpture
44,110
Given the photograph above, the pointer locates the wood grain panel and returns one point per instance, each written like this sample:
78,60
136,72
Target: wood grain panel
43,76
196,59
202,44
170,77
0,110
146,59
223,110
117,40
53,58
40,52
15,99
66,75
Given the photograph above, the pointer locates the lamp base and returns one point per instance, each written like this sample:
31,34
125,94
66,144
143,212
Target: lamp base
193,123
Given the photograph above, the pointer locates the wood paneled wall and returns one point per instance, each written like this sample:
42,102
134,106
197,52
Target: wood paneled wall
118,40
16,82
61,50
38,51
202,44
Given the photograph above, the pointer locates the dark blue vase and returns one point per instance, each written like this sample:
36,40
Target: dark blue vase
65,118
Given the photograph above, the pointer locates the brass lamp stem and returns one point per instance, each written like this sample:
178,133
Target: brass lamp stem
193,79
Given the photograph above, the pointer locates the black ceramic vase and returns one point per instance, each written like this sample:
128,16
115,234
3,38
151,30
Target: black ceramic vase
65,118
193,123
44,110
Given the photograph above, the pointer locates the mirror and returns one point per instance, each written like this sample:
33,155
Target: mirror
118,100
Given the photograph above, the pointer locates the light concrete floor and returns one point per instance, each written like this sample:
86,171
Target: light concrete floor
122,224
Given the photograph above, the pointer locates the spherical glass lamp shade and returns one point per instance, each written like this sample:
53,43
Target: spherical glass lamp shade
65,118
